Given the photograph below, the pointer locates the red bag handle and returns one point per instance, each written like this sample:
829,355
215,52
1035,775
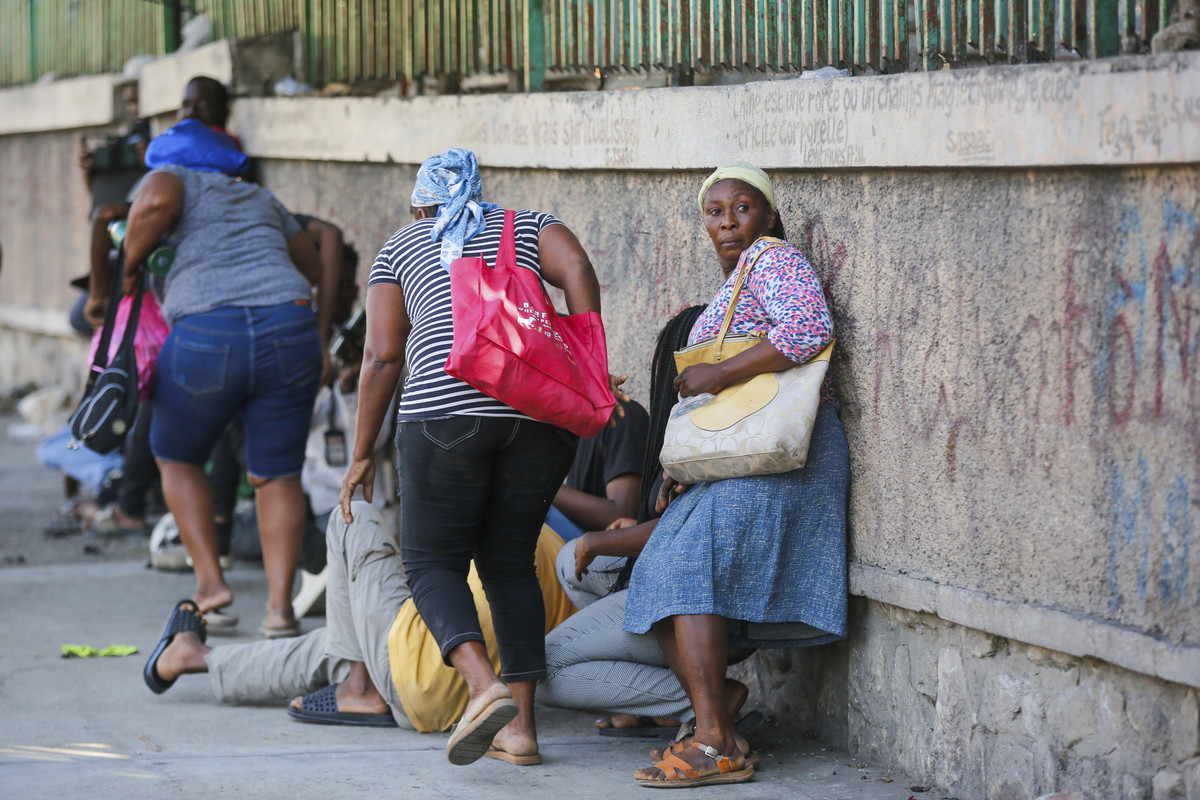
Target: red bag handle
506,257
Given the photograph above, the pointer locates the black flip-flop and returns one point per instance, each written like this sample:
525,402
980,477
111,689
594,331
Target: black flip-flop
646,728
320,707
180,620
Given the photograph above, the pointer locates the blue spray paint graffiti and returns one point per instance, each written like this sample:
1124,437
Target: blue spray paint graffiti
1146,376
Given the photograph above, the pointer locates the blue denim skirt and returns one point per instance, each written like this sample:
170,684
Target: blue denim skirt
262,362
765,549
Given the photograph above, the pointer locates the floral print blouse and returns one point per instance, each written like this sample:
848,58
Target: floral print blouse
783,297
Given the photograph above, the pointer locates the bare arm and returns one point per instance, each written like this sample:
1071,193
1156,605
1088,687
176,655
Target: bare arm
616,541
701,378
328,238
154,212
101,276
388,327
593,513
566,266
304,255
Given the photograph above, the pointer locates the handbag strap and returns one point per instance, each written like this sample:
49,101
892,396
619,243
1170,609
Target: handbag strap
332,418
115,292
743,274
100,361
507,255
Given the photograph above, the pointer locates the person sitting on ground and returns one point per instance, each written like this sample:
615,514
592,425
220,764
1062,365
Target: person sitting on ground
376,663
605,479
589,647
777,542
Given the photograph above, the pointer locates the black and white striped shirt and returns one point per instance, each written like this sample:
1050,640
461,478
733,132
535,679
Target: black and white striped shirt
411,260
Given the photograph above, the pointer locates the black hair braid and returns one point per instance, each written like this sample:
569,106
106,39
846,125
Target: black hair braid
662,399
663,396
777,229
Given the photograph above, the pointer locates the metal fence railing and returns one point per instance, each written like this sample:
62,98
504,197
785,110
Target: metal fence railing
76,37
388,40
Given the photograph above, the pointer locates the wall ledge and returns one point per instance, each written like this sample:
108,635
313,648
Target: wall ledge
62,105
40,321
1062,631
1136,110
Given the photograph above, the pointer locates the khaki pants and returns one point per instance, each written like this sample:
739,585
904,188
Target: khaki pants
366,587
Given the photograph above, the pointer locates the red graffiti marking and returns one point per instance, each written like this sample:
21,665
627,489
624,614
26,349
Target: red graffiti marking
1074,317
1162,268
1119,334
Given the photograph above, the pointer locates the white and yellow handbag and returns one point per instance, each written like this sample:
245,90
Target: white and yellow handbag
759,426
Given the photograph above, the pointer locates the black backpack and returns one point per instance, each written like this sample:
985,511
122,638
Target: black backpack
110,399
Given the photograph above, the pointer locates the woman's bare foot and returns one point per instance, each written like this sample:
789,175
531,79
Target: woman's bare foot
125,522
185,655
280,620
210,598
86,511
631,721
514,741
356,694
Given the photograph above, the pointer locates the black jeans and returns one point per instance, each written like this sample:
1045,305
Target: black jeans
480,487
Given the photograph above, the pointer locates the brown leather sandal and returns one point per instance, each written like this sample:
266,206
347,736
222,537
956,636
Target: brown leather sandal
677,746
679,774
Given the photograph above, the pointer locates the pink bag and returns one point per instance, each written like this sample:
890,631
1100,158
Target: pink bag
510,344
152,331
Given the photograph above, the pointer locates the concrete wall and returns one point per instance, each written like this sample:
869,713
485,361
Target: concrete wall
1013,260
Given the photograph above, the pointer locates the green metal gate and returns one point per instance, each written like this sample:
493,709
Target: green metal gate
388,40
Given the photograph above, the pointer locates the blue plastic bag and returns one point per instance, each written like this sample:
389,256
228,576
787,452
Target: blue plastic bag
194,145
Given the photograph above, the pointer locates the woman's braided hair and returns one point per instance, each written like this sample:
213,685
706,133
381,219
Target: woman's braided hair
663,397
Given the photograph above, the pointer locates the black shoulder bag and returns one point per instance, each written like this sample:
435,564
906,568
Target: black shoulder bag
110,399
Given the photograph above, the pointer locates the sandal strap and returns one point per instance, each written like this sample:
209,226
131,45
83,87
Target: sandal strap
184,620
725,764
677,765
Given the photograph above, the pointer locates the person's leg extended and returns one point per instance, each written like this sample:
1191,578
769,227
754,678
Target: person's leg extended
257,672
365,590
526,474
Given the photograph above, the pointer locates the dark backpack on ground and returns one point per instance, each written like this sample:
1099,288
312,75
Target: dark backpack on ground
110,399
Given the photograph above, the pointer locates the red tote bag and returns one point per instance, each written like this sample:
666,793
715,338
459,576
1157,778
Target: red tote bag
510,344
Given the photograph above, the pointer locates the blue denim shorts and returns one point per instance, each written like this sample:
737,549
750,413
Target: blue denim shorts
262,362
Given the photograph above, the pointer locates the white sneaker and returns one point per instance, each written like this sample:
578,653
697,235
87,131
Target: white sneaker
225,562
311,597
167,551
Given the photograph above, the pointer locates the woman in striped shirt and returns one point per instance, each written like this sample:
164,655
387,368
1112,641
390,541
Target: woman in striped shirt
476,476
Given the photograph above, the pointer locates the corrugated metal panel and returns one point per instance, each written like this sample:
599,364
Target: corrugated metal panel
386,40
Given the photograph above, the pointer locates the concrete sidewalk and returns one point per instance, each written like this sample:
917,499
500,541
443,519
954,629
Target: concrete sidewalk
90,728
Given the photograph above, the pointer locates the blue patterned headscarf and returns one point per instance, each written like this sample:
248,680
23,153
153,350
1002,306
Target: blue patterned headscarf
451,182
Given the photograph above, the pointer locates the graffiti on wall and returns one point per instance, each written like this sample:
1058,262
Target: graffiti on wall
1095,370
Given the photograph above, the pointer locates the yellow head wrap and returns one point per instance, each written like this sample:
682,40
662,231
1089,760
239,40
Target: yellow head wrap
740,171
